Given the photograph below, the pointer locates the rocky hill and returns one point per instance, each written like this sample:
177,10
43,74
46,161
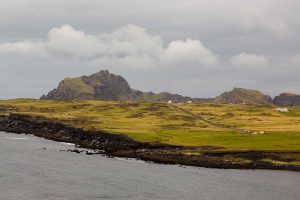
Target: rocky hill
287,99
106,86
243,96
102,85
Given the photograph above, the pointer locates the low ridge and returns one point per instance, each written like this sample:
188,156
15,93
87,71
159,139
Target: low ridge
287,99
107,86
243,96
104,85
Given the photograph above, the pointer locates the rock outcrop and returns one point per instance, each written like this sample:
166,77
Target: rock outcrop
244,96
56,131
287,99
122,146
99,86
106,86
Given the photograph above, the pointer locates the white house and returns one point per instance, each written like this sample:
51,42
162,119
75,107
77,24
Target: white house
189,102
282,109
170,101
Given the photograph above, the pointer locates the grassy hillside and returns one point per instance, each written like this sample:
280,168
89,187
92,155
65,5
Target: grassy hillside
161,123
78,86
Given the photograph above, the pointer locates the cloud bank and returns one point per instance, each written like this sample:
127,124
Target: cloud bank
197,48
129,46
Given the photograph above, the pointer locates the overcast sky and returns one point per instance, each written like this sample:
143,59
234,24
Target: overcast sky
198,48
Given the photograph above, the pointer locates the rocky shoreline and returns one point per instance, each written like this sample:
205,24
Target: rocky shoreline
121,146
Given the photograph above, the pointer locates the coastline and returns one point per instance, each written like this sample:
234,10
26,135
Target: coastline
118,145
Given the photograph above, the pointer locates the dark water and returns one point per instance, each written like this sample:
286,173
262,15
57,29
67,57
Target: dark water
30,172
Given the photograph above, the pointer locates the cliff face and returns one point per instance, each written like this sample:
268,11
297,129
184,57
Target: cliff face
247,96
287,99
108,86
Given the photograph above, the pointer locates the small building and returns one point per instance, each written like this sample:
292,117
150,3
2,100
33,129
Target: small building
170,101
189,102
282,109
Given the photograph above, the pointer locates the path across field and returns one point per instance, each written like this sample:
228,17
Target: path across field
208,121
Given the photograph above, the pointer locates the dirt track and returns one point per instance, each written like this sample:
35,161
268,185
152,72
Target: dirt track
208,121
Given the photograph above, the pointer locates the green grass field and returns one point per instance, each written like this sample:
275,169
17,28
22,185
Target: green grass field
161,123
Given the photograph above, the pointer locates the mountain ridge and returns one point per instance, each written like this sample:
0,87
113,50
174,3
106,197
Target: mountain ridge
287,99
104,85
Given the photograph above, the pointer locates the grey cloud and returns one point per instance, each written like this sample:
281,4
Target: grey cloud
129,46
296,60
249,60
189,47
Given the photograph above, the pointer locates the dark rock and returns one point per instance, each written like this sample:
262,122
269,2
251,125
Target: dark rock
122,146
287,99
62,133
107,86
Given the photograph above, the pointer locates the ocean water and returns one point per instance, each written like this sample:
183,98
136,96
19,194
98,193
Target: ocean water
32,168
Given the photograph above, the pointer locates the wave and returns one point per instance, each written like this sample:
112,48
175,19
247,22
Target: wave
16,138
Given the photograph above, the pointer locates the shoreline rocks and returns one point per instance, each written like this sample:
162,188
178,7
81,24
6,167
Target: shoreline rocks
122,146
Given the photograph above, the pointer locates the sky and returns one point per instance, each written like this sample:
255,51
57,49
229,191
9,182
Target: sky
197,48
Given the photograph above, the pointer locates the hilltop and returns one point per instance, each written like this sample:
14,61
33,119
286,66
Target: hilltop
287,99
99,86
244,96
104,85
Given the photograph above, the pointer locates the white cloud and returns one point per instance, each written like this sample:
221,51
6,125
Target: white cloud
129,46
68,41
249,60
23,48
189,51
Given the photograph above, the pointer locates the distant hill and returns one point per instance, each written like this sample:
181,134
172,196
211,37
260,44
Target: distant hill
107,86
241,95
104,85
287,99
